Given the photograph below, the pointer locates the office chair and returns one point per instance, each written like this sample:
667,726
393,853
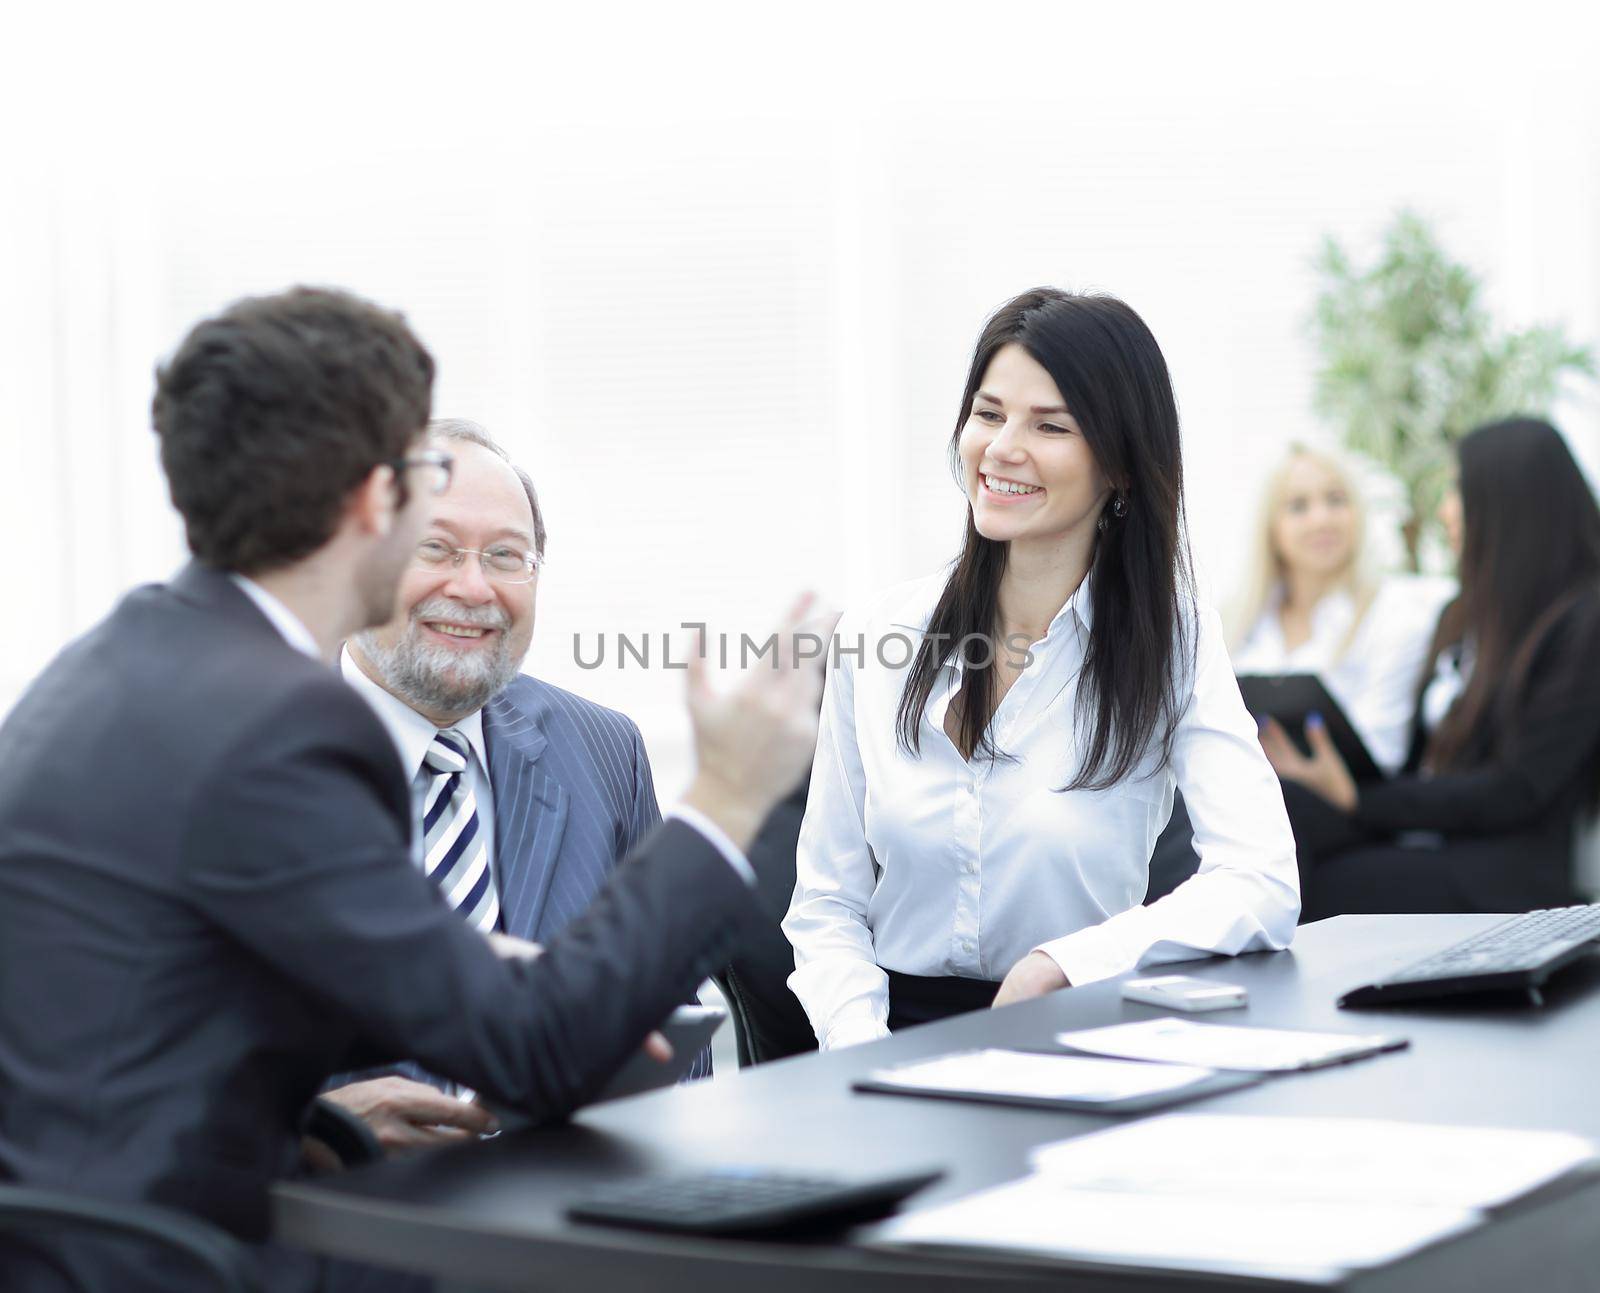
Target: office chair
768,1022
1173,860
29,1215
1586,858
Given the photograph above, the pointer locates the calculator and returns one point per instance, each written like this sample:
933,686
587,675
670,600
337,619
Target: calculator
746,1201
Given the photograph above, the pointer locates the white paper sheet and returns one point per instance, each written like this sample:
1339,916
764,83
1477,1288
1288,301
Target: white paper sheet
1313,1242
1301,1198
1021,1073
1347,1160
1220,1046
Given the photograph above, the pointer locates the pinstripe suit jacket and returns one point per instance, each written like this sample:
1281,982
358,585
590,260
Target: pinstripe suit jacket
573,795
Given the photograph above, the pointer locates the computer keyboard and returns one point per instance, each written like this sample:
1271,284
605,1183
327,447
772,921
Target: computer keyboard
740,1201
1518,954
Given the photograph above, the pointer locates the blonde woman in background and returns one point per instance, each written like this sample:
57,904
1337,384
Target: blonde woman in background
1311,605
1314,607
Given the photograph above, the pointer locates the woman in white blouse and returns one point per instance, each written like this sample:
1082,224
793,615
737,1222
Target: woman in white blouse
1313,608
1000,742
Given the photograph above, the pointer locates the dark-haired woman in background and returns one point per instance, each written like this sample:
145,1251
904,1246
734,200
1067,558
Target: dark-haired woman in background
1505,752
1000,742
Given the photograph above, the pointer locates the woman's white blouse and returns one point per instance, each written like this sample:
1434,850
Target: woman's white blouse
1375,677
940,866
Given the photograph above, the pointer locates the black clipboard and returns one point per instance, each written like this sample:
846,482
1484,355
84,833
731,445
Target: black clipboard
1290,697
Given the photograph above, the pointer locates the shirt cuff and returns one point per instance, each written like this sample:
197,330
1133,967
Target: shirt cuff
718,838
853,1032
1087,956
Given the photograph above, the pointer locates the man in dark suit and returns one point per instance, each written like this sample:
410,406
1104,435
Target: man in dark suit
561,785
207,898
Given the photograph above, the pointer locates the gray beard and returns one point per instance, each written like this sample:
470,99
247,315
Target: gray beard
432,677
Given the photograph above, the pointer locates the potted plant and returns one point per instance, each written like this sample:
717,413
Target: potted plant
1410,360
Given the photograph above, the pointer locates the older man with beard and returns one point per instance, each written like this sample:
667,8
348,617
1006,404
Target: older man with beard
524,796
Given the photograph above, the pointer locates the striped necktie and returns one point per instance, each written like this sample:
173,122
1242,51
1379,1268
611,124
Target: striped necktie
455,854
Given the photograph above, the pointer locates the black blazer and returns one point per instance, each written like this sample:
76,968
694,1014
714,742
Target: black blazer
1509,820
207,906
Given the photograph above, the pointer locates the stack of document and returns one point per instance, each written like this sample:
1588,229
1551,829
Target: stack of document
1137,1067
1306,1199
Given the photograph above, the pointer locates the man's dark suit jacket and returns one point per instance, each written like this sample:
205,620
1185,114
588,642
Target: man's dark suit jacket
207,906
578,797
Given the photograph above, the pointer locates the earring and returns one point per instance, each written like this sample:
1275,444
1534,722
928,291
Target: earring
1119,507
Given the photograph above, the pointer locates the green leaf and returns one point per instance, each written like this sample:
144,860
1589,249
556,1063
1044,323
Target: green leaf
1409,359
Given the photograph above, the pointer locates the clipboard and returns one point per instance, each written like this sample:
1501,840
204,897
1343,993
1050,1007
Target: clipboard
1290,697
1231,1048
902,1079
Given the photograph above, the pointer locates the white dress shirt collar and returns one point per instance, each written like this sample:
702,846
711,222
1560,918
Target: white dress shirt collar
412,732
288,624
1080,604
1079,607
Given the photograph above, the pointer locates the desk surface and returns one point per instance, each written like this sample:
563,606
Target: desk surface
491,1214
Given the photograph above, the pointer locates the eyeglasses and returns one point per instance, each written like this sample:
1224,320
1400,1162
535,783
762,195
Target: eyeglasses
438,465
504,563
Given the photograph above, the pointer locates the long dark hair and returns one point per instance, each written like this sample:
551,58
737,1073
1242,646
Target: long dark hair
1114,381
1530,552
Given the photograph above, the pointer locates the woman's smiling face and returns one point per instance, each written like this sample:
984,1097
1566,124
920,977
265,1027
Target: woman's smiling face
1028,470
1314,524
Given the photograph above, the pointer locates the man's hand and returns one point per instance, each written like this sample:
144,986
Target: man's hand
753,744
1032,976
1324,772
508,947
406,1115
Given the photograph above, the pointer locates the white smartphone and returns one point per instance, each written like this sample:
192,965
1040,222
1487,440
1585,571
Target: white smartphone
1180,992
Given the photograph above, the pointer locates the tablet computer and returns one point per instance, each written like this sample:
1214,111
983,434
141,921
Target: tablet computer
688,1029
1290,697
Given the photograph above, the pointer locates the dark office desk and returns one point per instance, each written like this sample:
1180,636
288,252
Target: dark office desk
490,1215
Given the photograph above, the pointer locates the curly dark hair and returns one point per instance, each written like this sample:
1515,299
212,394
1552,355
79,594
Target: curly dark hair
271,412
